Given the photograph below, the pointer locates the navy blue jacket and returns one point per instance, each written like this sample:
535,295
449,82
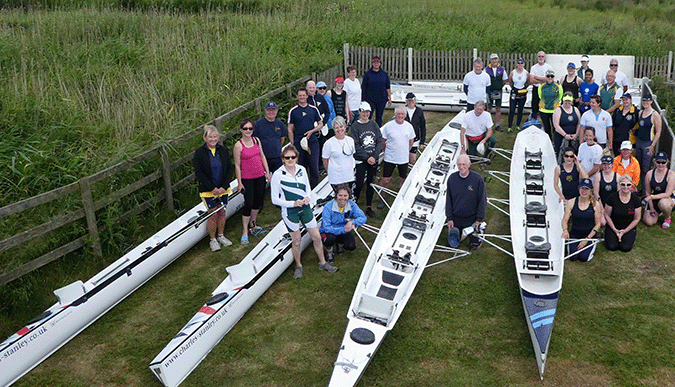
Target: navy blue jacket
202,165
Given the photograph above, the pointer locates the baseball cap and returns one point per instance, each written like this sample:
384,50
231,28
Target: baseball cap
271,105
626,145
550,72
339,79
647,97
567,98
661,156
494,56
453,237
321,84
607,160
572,65
410,96
627,95
586,183
364,106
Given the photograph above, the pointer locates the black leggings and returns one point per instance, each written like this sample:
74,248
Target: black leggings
347,240
367,172
254,194
612,240
516,104
547,120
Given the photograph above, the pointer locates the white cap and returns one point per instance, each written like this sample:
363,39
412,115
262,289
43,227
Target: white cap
584,58
626,145
304,144
365,106
481,148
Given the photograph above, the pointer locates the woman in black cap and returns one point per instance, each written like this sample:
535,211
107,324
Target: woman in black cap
659,186
586,215
605,182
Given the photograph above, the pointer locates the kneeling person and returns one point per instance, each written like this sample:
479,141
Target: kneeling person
465,202
476,130
340,217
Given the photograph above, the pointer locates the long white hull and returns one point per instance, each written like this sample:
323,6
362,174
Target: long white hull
398,256
80,304
245,283
538,247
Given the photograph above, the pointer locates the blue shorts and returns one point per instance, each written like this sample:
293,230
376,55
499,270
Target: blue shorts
212,203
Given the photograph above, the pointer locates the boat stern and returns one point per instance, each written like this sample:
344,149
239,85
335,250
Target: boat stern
361,340
540,313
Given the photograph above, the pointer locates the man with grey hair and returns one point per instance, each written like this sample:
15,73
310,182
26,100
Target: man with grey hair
537,77
465,203
476,85
397,139
621,78
477,132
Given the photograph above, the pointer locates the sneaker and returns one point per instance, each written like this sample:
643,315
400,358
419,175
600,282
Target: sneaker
666,224
499,128
298,272
244,240
517,128
214,245
223,241
328,267
370,212
381,205
509,130
329,256
340,249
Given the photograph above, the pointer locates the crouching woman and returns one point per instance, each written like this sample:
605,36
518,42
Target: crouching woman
340,217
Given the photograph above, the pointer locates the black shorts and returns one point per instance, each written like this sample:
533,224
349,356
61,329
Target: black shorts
388,169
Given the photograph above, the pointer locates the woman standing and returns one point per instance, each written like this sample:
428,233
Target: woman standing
253,174
605,183
586,215
338,155
659,185
569,173
340,98
353,89
549,100
368,143
376,89
290,191
213,170
519,80
648,134
566,124
623,213
570,83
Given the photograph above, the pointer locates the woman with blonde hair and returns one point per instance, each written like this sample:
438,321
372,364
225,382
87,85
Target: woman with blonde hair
623,212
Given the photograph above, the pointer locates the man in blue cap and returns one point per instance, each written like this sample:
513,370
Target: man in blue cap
271,132
465,203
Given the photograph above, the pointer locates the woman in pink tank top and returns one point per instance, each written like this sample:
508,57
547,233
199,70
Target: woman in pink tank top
253,174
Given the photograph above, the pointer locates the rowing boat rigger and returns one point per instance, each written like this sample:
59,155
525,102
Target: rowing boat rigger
245,283
398,255
80,304
536,230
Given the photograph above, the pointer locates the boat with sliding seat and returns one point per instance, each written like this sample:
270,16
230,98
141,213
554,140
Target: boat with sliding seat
245,283
398,255
81,303
536,230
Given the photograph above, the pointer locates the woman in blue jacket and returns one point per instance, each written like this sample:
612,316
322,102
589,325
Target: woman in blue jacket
340,216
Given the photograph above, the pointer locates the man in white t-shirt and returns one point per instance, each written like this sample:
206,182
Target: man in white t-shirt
397,140
476,85
477,130
601,121
590,155
537,77
621,78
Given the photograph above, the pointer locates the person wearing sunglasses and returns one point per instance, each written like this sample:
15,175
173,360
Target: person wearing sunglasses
291,191
605,183
586,215
338,155
213,170
498,78
623,211
339,218
659,186
322,88
626,164
537,77
368,143
569,173
253,174
550,94
519,79
647,134
620,78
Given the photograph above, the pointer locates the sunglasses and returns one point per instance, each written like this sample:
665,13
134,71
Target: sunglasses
626,184
568,156
322,88
520,62
290,157
614,65
247,128
550,76
660,162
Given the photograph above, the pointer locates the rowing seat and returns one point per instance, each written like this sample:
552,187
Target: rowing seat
534,176
539,251
534,189
533,164
425,200
536,220
375,307
534,207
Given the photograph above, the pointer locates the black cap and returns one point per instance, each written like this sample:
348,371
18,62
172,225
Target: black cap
410,96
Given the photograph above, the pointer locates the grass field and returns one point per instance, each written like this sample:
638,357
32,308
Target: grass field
463,326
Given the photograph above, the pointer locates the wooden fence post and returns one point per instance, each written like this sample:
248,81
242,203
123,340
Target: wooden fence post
90,215
410,64
258,103
345,58
670,65
289,91
166,175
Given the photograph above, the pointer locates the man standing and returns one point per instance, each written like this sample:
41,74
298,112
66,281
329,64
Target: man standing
476,85
610,92
621,78
599,120
304,121
271,132
315,99
586,90
498,78
477,130
581,73
416,118
465,203
397,139
537,77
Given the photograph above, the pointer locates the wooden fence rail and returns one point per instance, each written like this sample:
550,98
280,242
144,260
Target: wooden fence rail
90,206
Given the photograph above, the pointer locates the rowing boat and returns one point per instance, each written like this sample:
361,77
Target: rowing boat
81,303
398,256
536,229
245,283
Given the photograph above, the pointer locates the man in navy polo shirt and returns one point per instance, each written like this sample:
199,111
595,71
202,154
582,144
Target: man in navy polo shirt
271,132
304,121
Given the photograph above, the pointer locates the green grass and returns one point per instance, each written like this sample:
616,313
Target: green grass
464,324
